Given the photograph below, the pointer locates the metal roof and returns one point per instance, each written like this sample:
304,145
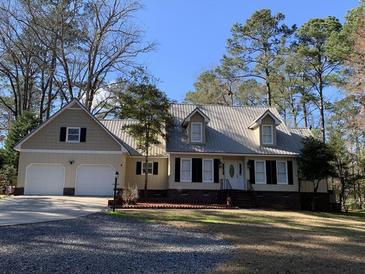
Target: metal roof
116,127
227,132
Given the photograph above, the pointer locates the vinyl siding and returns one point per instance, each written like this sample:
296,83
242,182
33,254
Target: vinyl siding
157,182
27,158
48,137
197,186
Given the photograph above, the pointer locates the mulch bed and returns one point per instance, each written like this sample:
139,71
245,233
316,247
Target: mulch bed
176,206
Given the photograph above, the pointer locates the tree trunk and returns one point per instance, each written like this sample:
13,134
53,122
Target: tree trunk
305,115
145,176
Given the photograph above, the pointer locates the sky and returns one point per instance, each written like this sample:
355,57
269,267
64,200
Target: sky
191,34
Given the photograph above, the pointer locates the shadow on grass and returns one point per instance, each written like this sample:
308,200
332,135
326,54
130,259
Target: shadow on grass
274,241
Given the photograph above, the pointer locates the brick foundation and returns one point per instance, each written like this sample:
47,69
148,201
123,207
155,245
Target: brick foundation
69,191
19,191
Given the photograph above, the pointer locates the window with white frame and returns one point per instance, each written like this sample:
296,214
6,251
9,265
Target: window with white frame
73,135
185,171
208,170
282,172
260,172
267,135
149,168
196,132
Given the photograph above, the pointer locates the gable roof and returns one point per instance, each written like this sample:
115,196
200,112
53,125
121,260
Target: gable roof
116,127
259,119
228,132
196,110
70,105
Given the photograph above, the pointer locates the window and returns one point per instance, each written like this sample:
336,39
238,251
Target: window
185,170
267,135
282,172
149,168
73,135
196,132
208,170
260,172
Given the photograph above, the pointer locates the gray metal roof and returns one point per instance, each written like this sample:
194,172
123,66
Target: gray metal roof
116,127
227,132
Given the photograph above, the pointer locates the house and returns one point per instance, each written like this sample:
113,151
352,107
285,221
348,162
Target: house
210,149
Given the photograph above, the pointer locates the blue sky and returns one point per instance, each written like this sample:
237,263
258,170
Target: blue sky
191,34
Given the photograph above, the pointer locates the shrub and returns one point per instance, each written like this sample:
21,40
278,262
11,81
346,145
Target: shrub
7,177
130,194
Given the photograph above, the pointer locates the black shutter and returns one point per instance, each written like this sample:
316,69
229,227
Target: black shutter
216,170
83,135
251,166
197,172
271,172
274,177
63,134
268,172
138,168
177,169
155,168
290,172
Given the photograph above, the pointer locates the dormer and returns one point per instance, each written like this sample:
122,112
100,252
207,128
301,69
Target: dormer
195,124
265,128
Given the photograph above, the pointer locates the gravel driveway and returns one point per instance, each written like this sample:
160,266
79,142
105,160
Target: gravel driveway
103,244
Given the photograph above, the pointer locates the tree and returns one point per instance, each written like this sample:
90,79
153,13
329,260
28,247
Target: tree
315,162
314,45
53,51
22,126
209,89
255,47
148,109
350,45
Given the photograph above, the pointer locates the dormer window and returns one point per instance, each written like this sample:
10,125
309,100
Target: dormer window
196,132
267,135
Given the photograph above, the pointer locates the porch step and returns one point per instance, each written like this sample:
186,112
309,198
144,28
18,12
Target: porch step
242,199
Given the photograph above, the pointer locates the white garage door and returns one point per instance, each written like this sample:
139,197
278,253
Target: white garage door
94,180
44,179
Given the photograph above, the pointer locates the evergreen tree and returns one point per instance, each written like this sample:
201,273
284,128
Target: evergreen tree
148,109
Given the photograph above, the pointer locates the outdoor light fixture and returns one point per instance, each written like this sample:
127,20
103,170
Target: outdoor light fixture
71,162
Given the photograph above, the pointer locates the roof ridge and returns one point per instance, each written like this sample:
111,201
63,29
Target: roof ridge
218,105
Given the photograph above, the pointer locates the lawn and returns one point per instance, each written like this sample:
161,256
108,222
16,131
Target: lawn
275,241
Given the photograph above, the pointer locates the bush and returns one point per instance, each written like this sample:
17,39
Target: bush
7,177
130,194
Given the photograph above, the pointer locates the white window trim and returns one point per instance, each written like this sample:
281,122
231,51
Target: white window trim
211,181
257,182
201,132
286,172
73,141
272,135
191,170
143,173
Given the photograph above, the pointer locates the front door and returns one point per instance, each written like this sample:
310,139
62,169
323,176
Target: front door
234,174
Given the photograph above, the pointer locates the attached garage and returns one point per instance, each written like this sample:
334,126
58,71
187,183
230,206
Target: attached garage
44,179
94,180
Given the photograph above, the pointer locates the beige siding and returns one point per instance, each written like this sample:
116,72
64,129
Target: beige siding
274,187
48,136
200,186
157,182
308,186
197,117
27,158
